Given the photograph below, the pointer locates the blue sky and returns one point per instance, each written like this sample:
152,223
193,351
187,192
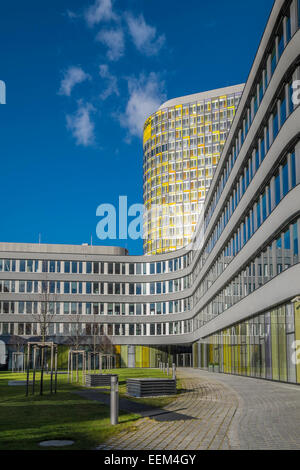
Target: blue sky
81,76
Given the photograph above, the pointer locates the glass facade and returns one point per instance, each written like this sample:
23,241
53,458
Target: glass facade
182,145
263,346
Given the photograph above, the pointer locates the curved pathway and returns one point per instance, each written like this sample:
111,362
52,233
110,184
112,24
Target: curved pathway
218,411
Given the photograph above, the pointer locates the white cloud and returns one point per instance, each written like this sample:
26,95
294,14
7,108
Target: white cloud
144,36
101,10
81,124
145,96
114,40
112,84
72,77
72,15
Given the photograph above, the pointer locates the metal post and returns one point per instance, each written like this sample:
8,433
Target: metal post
55,367
27,381
114,400
100,363
83,366
164,367
34,367
51,370
42,371
77,366
71,366
173,371
168,369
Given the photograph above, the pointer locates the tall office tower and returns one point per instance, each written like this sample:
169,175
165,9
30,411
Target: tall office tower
182,143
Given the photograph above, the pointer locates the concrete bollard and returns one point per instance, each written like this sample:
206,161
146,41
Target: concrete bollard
168,369
173,371
114,400
164,367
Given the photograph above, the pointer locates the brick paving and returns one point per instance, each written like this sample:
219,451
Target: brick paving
218,411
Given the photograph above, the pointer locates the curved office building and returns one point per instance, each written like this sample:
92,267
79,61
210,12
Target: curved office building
232,297
182,144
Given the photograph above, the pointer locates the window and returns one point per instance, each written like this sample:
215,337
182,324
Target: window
110,268
280,41
96,268
291,92
256,159
295,242
131,268
285,178
66,308
277,189
51,268
288,28
275,122
152,268
262,148
22,266
273,59
74,287
282,108
258,214
279,255
293,170
264,207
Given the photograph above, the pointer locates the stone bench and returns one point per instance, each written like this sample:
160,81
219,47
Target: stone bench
148,387
98,380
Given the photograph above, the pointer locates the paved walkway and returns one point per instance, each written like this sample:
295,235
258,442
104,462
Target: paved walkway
219,411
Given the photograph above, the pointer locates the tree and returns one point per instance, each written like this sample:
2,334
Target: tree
46,314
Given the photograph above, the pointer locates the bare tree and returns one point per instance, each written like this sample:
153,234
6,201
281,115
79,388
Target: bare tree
47,308
76,334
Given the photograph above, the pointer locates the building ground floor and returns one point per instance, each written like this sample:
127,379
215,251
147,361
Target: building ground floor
122,355
265,346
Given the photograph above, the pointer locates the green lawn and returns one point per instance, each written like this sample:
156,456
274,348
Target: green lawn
25,421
